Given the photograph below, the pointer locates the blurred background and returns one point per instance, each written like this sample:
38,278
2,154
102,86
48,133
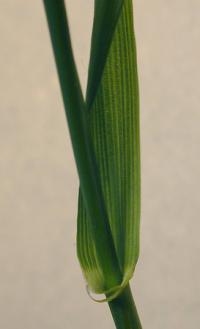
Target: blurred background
41,284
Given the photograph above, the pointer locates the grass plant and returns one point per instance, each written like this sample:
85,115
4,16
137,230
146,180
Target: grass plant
104,130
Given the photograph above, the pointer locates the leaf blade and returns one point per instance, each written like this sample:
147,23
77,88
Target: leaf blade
114,124
106,14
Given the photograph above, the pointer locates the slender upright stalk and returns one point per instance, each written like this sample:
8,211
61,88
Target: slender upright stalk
81,141
124,311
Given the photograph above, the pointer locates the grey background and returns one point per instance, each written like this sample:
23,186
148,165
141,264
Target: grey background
41,284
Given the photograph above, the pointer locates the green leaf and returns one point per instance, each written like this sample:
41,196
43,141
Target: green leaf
77,118
106,14
113,122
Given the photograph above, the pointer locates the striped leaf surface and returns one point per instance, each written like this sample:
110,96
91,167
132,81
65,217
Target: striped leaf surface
112,107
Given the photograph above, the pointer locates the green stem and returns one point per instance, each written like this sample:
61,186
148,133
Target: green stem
124,311
75,109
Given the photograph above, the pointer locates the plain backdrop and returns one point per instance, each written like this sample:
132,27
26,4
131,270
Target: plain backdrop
41,284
